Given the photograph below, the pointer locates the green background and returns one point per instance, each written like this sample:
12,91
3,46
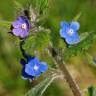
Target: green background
11,83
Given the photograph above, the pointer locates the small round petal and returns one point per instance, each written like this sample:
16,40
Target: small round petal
74,39
75,25
21,19
33,61
64,24
43,66
64,29
32,72
63,33
24,34
16,24
29,70
17,32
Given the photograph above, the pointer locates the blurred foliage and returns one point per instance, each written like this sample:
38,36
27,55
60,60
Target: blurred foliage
11,83
37,42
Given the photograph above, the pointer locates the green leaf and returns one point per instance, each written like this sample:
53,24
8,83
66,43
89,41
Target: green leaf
39,89
5,24
37,42
42,40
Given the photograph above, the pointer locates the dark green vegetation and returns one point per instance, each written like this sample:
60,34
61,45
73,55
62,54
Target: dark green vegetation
11,83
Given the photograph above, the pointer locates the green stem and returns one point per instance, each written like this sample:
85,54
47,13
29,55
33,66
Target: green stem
67,76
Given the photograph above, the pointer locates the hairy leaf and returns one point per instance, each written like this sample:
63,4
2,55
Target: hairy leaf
37,42
39,89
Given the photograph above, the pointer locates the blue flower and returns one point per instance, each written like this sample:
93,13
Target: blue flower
33,67
21,27
69,32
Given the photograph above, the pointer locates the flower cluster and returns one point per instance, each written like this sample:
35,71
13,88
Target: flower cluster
32,67
69,32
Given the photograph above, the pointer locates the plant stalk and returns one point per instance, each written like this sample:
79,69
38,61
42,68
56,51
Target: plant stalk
67,76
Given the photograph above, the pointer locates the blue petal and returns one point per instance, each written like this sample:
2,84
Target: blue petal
23,62
74,39
64,24
25,75
29,70
33,61
43,66
63,33
75,25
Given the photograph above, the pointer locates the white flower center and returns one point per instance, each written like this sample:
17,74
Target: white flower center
24,26
70,32
36,67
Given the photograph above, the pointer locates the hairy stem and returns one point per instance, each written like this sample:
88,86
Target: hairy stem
22,50
67,76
